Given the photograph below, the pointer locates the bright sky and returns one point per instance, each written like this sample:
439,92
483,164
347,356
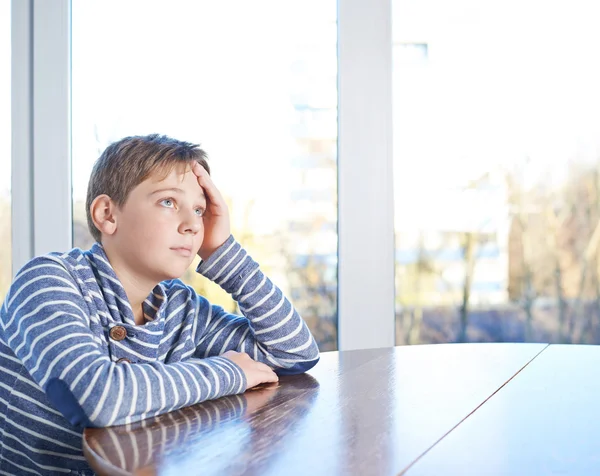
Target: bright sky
503,81
197,72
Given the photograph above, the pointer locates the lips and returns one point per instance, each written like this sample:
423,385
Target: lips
184,251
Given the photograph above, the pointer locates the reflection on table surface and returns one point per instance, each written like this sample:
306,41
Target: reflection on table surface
230,433
361,412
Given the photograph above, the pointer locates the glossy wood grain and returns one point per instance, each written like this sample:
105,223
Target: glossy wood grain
545,421
359,412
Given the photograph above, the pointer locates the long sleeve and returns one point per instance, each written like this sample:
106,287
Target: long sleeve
270,329
45,322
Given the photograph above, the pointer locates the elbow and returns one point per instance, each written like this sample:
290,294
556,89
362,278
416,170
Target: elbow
64,401
298,368
307,359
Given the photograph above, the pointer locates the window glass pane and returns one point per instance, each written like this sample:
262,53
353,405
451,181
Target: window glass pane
497,171
5,151
258,91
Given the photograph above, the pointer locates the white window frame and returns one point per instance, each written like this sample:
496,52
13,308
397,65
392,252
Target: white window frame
21,133
41,155
41,128
365,188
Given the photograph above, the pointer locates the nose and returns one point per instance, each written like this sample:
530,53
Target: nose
190,223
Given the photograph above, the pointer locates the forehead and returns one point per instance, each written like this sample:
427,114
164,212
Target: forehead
170,171
178,176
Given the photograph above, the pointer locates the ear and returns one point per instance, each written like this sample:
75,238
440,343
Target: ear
103,214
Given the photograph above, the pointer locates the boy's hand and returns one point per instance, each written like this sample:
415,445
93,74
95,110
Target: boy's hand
216,217
256,372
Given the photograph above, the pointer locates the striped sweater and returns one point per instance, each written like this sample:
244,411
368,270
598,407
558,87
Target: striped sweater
72,357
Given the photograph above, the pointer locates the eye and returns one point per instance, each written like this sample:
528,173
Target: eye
199,212
167,202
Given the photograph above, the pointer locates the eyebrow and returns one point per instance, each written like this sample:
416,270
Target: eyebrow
175,190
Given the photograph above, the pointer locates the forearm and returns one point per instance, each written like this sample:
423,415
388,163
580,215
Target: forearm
114,394
276,333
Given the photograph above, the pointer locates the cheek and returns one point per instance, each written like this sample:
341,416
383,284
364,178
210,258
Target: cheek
148,225
199,238
200,234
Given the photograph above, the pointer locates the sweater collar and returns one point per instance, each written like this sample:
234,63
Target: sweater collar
114,293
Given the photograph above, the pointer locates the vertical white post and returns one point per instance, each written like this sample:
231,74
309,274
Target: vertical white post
41,129
52,126
21,132
366,201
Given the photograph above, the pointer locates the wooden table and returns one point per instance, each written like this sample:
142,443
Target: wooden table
459,409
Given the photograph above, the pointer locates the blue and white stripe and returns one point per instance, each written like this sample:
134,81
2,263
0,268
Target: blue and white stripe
58,364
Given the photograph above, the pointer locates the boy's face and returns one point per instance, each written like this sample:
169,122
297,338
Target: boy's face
160,227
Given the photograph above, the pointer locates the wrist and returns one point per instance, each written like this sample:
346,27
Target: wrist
227,265
206,252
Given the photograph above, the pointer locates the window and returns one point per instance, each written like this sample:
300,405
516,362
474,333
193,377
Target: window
5,150
497,171
258,90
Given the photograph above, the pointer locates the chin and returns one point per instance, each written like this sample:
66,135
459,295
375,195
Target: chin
173,275
170,272
170,267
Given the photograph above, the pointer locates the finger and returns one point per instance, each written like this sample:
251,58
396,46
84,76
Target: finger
270,377
209,187
196,169
200,171
263,367
265,384
264,388
269,371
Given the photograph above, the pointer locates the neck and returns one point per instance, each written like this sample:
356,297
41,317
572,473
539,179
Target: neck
136,287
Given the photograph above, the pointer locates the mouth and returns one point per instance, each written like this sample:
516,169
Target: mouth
184,251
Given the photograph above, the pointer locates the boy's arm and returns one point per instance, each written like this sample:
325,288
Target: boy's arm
45,322
270,330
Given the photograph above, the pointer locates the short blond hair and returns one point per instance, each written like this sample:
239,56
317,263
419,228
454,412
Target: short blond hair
128,162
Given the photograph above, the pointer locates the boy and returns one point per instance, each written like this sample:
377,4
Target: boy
110,335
